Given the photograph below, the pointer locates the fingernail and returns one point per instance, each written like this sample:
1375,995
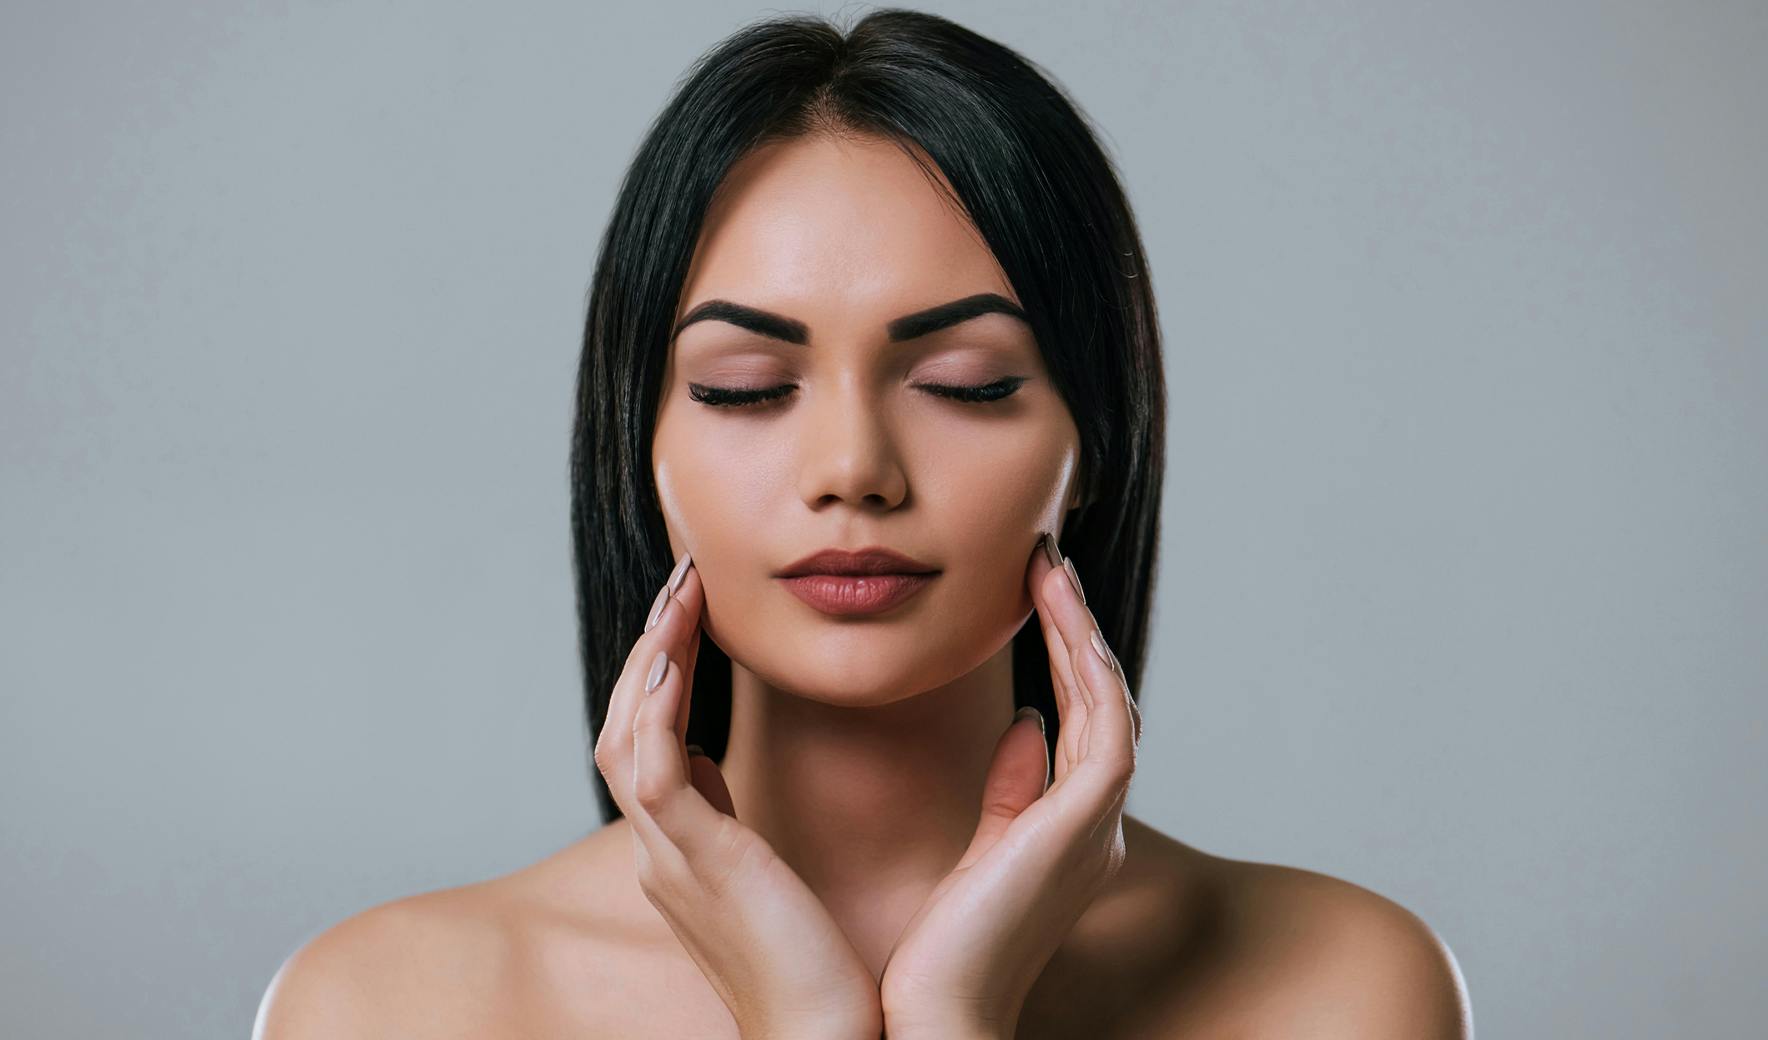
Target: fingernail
659,667
657,608
1029,710
1104,652
1074,579
680,573
694,749
1050,553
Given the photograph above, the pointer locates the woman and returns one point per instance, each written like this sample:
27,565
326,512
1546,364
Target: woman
870,346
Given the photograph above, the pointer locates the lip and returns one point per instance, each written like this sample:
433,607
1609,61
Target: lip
848,583
849,595
871,560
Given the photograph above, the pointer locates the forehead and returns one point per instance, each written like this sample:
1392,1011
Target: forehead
837,231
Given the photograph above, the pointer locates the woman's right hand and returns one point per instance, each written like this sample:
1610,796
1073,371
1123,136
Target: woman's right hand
761,937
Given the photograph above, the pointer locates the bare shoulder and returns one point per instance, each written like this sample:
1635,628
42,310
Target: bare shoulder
532,952
1330,958
422,965
1184,943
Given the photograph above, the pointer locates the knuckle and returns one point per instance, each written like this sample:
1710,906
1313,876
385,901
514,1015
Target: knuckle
653,794
647,869
660,883
604,758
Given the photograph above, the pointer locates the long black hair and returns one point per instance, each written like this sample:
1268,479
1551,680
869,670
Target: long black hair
1024,164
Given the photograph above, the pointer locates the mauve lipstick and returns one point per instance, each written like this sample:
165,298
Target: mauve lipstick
855,583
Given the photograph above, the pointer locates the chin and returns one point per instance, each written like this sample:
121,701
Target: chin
869,665
857,664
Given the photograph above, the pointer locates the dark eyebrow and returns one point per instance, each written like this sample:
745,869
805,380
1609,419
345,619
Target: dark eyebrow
907,327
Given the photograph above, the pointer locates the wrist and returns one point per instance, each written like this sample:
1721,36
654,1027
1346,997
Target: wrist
924,1013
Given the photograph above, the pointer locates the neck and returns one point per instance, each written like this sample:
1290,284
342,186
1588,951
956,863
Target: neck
871,806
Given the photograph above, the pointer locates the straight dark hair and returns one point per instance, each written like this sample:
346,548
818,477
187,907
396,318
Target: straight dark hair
1028,172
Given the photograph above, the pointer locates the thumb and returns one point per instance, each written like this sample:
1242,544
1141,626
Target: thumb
1016,778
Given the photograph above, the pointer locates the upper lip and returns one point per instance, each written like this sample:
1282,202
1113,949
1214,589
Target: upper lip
873,559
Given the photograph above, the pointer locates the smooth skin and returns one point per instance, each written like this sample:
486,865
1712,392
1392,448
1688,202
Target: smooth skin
771,950
967,959
765,943
876,846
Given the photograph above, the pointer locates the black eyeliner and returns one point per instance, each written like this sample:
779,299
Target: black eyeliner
729,397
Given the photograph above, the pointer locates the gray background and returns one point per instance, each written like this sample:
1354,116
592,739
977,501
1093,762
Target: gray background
1464,582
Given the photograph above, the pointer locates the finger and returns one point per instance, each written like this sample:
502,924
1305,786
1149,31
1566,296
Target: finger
670,807
1107,738
672,622
1123,681
690,654
1110,744
689,602
1045,557
644,648
1134,708
659,754
1070,707
1129,697
1064,605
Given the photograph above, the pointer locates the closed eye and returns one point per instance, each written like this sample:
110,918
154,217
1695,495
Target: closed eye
732,397
736,397
981,394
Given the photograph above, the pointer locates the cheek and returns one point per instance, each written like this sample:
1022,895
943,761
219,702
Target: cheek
711,486
719,488
990,486
993,498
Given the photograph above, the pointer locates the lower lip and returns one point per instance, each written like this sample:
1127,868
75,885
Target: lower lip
852,594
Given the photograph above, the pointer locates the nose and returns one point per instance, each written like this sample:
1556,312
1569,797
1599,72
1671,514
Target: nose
848,450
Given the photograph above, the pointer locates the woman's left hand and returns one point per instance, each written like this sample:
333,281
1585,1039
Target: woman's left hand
967,959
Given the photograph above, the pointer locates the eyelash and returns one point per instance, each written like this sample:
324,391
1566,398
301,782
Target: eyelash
726,397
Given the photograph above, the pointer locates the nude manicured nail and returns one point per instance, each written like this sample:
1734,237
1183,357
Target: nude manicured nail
1074,579
1104,652
657,608
1048,541
680,573
659,667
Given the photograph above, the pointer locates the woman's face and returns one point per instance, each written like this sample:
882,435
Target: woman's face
843,237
